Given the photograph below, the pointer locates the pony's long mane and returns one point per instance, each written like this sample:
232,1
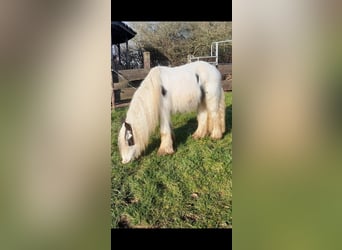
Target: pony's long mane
143,112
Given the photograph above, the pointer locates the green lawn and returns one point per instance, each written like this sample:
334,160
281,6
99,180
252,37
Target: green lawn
189,189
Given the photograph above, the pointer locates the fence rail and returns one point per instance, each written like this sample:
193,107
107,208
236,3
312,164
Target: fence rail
214,54
209,59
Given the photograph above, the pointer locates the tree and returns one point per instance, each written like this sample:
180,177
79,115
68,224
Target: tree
171,42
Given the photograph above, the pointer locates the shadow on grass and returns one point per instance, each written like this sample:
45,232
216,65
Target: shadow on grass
182,133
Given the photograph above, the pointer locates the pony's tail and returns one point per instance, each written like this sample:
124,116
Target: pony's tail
222,112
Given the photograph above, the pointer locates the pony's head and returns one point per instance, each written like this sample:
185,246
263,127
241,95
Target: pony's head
127,147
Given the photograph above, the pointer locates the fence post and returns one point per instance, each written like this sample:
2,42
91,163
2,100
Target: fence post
147,62
189,58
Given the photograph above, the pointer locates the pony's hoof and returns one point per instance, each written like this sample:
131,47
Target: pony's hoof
163,151
197,136
216,136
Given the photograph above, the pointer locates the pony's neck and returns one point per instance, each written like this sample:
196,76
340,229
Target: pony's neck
141,132
143,112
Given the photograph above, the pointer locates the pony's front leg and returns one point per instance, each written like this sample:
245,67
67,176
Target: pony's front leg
166,145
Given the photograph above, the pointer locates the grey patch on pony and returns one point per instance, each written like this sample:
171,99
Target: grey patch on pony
129,134
163,91
202,93
197,78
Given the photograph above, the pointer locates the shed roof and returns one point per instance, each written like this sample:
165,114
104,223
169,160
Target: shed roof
121,32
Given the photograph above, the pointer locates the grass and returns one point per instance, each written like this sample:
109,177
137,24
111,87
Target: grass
189,189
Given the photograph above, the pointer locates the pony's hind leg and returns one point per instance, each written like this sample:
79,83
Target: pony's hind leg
222,112
202,117
215,126
216,132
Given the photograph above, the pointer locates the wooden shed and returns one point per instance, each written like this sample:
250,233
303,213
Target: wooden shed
120,33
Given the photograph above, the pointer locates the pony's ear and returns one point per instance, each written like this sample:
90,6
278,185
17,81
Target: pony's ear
129,134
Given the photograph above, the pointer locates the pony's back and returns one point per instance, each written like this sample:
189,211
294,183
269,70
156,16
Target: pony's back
186,84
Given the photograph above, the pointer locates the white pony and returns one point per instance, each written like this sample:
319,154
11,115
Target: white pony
166,90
